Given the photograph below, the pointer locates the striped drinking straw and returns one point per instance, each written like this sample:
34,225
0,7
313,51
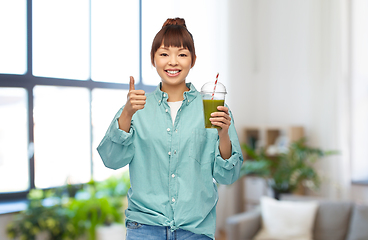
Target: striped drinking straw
214,88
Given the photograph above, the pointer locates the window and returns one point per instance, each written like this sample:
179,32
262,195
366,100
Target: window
114,37
60,86
60,31
61,135
102,114
359,91
13,140
13,40
64,74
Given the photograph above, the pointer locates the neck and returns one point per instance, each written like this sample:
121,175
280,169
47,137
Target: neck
175,92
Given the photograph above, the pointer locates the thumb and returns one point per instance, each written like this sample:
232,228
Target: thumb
131,83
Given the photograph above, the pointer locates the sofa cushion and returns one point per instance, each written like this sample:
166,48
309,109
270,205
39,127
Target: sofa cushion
332,220
358,229
286,219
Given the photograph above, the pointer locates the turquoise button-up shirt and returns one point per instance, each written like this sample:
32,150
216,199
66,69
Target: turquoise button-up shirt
172,166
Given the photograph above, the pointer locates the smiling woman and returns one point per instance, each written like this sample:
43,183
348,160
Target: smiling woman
80,62
171,63
173,53
206,21
177,36
162,134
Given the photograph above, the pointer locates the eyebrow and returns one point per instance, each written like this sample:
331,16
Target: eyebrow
180,49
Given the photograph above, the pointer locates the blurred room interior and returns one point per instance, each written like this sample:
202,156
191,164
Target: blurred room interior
292,69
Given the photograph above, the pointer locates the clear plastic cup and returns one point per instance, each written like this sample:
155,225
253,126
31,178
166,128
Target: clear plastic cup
211,100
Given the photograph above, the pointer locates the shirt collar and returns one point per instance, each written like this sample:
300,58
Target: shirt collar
189,96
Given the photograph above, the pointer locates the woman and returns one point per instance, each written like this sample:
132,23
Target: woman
173,160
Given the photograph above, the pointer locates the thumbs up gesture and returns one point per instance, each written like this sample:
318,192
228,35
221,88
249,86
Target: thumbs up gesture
136,99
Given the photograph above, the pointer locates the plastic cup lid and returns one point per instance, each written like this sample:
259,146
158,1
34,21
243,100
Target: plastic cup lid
208,88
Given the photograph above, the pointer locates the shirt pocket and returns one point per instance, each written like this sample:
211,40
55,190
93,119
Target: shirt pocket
202,145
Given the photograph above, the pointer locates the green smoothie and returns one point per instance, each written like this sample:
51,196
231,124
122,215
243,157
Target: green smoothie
210,106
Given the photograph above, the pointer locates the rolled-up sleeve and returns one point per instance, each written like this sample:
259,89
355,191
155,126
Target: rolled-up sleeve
116,148
226,171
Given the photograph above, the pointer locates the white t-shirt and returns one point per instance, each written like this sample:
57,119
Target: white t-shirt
174,107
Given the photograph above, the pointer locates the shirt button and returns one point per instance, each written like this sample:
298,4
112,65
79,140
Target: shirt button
166,110
169,153
168,129
173,199
175,152
173,175
188,100
164,95
176,130
159,101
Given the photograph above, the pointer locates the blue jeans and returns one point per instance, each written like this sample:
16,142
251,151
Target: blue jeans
138,231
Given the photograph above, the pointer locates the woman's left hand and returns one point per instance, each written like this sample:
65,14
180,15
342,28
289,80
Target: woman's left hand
221,119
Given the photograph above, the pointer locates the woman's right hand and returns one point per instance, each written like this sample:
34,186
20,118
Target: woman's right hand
136,99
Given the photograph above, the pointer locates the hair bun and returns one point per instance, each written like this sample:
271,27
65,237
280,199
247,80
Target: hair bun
175,21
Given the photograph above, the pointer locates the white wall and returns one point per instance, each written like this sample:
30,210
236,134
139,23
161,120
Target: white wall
270,63
287,65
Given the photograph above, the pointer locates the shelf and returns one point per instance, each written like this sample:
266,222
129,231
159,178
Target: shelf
272,139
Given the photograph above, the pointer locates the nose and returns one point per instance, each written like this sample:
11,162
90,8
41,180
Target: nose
173,60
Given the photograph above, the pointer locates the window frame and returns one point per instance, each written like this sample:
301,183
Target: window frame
28,82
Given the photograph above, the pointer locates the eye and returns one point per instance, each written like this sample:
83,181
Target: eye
164,54
183,55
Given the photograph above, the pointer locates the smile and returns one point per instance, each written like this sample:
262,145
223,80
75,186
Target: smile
172,73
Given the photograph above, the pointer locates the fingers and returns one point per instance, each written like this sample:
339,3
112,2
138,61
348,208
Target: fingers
131,83
138,105
224,114
138,93
221,119
136,99
135,94
132,87
223,109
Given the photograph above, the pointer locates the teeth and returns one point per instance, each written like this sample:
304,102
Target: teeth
172,72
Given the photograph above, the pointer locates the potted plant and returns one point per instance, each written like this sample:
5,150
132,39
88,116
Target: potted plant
288,170
45,214
91,208
72,211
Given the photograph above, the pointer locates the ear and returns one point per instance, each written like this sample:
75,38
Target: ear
195,58
153,60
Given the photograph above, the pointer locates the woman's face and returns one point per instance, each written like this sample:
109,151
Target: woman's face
172,64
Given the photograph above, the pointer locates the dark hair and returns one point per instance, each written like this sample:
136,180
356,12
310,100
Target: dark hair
174,33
